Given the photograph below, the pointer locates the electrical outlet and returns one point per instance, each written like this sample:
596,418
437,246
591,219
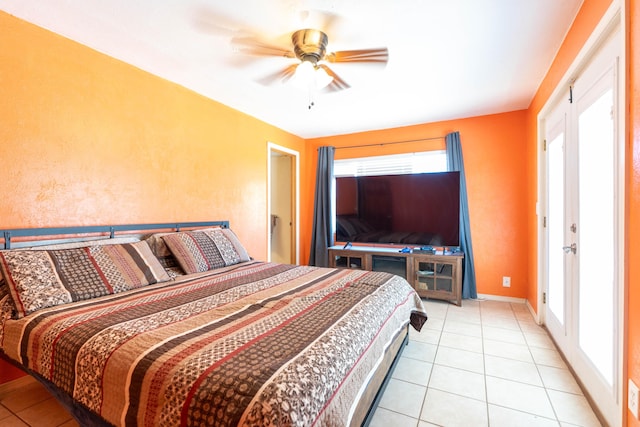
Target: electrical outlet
506,281
633,399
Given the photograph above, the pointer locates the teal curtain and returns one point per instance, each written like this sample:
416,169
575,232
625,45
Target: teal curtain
322,234
456,163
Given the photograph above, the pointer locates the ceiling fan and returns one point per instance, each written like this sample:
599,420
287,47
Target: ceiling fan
309,47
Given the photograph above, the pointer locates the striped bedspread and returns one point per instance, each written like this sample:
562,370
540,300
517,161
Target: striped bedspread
254,344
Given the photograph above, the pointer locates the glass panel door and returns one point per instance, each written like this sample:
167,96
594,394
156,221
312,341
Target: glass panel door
596,156
558,266
584,164
556,226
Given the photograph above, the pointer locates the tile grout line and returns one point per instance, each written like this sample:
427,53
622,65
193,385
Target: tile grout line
16,415
484,366
426,392
448,317
546,391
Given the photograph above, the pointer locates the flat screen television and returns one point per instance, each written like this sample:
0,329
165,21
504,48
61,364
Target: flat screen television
409,210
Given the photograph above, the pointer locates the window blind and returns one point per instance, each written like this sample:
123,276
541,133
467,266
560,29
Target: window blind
396,164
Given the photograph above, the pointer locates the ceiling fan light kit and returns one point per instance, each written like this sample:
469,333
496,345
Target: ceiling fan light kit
310,47
310,76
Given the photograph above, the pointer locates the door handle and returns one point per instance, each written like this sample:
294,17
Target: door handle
573,248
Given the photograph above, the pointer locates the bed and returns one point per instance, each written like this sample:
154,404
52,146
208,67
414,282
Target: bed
182,327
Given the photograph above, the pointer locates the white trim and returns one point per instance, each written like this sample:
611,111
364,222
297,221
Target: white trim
489,297
535,315
513,300
613,18
609,20
275,147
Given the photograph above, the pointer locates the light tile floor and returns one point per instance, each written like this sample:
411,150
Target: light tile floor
486,363
483,364
27,403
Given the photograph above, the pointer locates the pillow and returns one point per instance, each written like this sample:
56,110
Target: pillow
5,298
204,250
162,252
84,243
7,309
45,278
160,249
164,255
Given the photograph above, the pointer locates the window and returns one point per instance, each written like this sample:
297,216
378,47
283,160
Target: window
397,164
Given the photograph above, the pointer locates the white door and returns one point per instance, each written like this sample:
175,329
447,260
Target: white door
584,239
281,226
283,204
558,270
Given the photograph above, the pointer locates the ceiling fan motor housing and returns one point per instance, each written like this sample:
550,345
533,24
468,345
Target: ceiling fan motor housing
309,45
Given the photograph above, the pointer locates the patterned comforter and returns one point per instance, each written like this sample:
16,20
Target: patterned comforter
254,344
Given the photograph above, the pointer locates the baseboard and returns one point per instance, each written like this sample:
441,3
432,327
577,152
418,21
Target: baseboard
524,301
534,314
501,298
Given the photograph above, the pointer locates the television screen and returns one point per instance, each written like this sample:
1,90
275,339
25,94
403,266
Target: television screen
409,210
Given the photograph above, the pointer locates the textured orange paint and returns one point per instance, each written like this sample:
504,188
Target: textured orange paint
86,139
633,201
495,167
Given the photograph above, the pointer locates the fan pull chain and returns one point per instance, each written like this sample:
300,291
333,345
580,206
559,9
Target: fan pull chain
312,91
311,102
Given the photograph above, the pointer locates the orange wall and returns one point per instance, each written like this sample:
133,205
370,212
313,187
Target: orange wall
80,146
495,166
87,140
633,201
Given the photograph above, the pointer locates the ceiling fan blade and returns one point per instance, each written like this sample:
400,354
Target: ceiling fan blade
380,55
281,76
209,21
315,18
253,46
337,83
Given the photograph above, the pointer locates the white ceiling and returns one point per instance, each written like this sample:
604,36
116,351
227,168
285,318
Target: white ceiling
448,59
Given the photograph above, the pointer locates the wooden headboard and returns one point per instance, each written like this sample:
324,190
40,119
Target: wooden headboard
23,237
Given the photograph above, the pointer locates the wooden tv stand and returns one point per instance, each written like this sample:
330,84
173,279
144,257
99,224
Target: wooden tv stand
437,276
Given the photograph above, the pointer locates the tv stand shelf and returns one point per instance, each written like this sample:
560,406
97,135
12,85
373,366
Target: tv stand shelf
437,276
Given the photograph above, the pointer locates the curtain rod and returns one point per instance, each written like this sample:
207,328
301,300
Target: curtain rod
391,143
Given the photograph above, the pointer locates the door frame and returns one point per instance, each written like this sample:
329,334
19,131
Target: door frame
558,115
272,147
614,17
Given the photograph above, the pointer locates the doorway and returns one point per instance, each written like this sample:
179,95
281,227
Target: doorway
283,211
583,226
